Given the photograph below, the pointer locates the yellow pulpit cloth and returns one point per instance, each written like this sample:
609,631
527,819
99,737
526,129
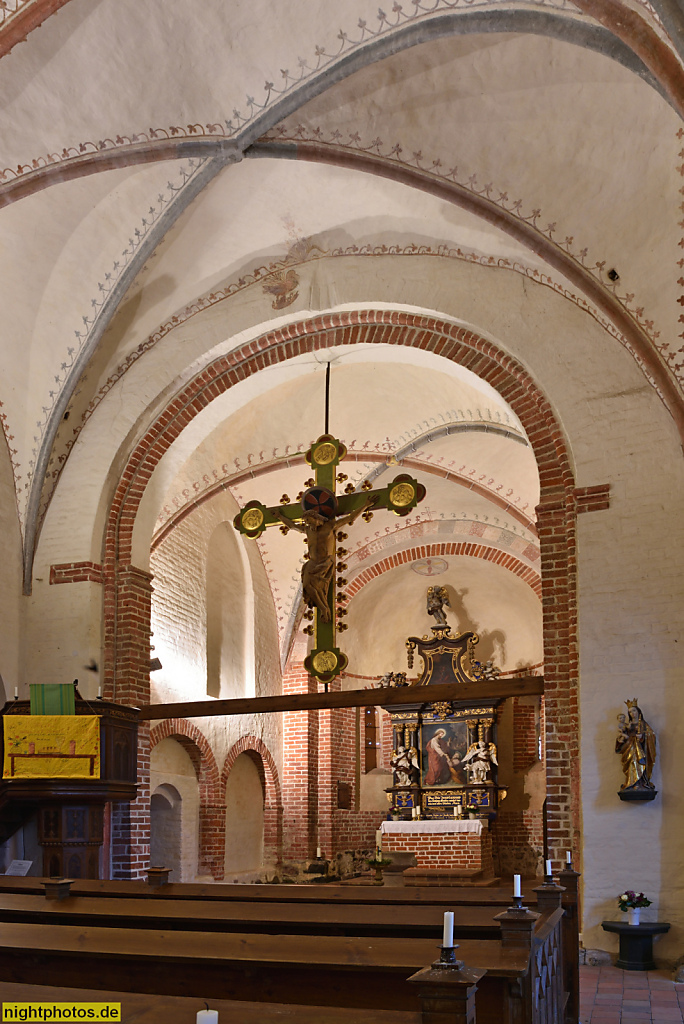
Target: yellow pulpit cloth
51,747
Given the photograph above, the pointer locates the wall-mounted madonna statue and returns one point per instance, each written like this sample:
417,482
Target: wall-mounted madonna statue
636,745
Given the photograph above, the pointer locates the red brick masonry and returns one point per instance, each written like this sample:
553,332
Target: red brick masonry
450,850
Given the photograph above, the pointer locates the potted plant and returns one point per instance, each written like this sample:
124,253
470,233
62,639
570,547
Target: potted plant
631,902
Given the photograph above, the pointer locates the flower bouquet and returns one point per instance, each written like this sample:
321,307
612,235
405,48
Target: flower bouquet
631,902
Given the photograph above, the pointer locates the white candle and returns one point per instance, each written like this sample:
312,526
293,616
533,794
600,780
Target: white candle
378,839
548,868
318,853
516,886
207,1016
16,692
99,693
455,812
568,857
448,936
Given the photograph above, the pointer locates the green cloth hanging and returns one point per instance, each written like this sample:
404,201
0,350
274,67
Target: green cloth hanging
52,699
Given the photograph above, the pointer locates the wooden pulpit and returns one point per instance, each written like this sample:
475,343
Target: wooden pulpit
70,810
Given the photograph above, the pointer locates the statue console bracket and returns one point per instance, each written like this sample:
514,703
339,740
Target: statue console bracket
444,754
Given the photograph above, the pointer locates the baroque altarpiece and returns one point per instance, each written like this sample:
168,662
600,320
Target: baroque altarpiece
444,754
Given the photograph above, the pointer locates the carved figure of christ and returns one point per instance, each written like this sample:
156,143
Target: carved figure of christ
319,567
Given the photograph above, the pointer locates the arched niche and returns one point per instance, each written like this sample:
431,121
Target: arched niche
245,816
229,611
166,829
175,795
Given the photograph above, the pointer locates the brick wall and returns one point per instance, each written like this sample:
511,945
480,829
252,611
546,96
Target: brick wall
127,681
300,763
525,741
320,751
518,839
451,850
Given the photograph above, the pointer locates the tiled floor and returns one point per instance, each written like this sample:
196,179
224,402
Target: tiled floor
610,996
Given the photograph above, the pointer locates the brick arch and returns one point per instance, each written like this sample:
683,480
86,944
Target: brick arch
458,344
211,800
127,591
197,747
473,550
261,757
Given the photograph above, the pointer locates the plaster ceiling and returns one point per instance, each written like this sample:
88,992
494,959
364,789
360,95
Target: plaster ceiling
420,135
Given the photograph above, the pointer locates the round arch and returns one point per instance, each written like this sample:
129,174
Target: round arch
263,760
128,591
472,549
211,801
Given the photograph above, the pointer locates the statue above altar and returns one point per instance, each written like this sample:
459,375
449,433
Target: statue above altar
445,757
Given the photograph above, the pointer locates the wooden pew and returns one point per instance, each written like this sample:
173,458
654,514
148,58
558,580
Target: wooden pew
156,1009
326,893
311,970
262,917
354,914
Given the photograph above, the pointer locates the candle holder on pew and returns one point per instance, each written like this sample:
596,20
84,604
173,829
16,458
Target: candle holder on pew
447,959
549,893
518,921
377,863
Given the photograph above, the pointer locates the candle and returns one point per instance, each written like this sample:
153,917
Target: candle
448,936
516,886
568,857
16,692
378,839
99,692
548,869
318,853
455,812
207,1016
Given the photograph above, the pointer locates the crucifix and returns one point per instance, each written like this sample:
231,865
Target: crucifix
320,514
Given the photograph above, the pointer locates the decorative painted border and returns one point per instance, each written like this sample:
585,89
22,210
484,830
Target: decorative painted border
209,488
104,289
433,168
18,18
626,25
471,550
513,208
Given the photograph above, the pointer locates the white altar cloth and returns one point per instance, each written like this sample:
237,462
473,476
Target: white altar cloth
428,826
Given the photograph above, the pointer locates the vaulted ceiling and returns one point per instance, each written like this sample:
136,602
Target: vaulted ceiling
178,180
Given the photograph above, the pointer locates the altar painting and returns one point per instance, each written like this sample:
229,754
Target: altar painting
444,744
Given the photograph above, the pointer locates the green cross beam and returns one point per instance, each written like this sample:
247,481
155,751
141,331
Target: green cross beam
320,515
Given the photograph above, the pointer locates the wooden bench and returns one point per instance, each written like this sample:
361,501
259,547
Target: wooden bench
310,970
345,946
261,917
156,1009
